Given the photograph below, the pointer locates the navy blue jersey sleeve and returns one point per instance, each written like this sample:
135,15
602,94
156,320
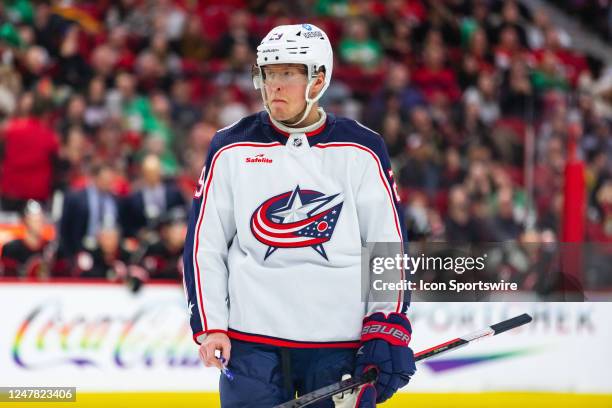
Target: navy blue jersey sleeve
210,229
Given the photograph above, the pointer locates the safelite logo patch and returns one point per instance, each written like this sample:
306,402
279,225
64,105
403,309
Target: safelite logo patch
259,158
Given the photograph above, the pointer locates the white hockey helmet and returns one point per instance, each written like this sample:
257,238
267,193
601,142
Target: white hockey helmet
303,44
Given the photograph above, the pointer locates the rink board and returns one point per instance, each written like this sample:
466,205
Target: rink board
101,338
481,400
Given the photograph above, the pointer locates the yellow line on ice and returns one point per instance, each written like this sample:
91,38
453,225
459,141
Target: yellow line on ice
455,400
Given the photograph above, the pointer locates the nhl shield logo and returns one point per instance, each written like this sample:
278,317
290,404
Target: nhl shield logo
296,219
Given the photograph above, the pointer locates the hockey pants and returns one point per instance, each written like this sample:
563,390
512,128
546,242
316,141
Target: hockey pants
265,375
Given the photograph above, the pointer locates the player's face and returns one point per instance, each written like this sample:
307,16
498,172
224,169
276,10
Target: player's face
35,223
174,234
108,239
284,85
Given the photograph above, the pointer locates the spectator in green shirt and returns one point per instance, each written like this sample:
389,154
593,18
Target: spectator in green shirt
358,48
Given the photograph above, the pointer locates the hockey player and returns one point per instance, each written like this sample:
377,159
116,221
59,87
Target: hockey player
272,258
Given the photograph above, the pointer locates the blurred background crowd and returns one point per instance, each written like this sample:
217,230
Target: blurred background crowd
107,110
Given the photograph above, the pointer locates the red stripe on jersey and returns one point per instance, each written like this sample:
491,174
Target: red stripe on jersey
273,341
198,334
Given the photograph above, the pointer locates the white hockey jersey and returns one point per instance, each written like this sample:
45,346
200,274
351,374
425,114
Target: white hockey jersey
273,249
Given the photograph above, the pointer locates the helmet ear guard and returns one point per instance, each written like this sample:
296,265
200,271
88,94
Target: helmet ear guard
256,76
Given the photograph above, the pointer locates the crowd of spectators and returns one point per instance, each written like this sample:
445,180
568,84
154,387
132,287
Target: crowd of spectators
108,109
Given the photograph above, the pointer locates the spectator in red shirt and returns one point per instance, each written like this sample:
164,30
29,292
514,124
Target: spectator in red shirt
434,79
30,147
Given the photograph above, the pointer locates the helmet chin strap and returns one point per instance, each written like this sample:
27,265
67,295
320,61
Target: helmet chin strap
309,103
289,127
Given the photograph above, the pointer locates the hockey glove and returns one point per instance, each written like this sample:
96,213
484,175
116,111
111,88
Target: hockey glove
360,397
384,345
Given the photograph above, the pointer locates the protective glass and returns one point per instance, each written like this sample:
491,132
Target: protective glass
283,76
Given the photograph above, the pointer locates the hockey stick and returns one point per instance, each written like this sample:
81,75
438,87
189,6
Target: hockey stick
370,375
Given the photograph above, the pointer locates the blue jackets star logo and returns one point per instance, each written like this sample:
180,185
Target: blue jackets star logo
297,219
